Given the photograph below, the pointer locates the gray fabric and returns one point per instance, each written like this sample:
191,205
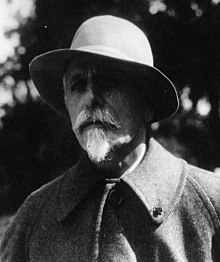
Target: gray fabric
169,211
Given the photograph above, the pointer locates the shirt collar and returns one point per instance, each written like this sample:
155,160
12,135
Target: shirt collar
158,181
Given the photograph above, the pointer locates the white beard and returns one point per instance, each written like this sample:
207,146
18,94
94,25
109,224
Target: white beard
97,144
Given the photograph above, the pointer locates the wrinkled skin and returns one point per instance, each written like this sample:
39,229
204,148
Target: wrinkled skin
88,86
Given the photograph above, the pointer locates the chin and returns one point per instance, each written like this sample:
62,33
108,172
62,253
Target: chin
97,146
98,154
101,144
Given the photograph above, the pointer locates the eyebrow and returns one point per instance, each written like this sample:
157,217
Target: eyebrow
83,69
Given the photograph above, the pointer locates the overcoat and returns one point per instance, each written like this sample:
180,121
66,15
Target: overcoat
165,210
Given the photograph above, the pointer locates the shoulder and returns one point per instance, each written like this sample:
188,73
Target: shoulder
207,186
14,244
206,180
46,194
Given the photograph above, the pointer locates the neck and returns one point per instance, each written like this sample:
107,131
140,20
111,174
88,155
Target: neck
123,158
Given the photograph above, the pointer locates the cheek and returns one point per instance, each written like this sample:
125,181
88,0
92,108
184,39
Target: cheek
72,106
128,105
128,110
118,100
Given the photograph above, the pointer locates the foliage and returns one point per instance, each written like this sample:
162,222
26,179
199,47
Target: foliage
35,147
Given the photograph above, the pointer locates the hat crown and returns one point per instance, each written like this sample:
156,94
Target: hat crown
115,37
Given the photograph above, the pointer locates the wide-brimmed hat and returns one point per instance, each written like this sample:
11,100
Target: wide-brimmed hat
110,41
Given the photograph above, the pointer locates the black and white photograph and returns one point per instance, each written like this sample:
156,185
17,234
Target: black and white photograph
109,130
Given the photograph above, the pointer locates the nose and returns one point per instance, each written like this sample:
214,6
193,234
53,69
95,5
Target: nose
92,94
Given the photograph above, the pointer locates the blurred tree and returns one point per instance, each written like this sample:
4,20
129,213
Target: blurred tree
36,145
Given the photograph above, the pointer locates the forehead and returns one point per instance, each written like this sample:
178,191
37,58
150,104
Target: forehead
79,65
87,66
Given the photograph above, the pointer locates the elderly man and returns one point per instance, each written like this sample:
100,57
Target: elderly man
127,199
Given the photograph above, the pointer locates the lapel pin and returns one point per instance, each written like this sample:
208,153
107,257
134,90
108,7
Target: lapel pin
157,211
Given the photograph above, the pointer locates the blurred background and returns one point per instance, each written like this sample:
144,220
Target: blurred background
36,145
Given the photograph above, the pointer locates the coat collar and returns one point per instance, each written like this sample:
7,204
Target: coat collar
158,181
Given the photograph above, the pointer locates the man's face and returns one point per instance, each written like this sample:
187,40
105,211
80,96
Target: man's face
104,107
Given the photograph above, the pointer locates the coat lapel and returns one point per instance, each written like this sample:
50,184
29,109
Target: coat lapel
77,182
158,181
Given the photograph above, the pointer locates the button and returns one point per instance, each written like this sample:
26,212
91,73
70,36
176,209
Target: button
157,212
115,198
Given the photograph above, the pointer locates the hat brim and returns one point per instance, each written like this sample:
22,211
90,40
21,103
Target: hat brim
47,71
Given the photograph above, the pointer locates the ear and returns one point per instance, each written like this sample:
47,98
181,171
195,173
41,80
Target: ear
148,115
64,83
64,89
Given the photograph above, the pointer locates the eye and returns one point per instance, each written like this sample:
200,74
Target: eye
116,82
110,85
107,81
78,84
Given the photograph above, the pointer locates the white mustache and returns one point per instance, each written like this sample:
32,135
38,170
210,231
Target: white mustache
104,116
